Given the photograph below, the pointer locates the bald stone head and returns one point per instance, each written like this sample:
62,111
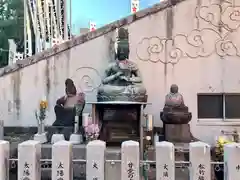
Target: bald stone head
174,88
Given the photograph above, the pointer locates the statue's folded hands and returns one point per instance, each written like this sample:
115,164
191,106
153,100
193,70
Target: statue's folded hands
135,80
109,78
125,78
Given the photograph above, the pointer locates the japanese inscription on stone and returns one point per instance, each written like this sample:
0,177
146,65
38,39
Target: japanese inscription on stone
238,168
201,172
26,171
165,171
130,171
95,167
60,171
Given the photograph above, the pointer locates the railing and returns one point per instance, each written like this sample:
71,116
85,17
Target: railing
29,160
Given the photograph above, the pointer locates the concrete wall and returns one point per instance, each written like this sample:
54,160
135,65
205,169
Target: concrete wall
193,44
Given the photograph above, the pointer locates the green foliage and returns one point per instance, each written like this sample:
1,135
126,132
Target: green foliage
4,46
11,26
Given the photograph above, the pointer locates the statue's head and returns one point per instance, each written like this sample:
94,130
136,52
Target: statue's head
122,44
174,88
70,87
69,82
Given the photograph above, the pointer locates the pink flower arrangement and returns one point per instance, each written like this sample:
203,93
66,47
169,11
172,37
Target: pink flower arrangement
92,132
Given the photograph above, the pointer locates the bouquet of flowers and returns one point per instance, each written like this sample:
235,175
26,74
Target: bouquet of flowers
41,114
219,149
92,132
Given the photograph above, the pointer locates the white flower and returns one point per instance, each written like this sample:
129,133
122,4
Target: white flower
148,138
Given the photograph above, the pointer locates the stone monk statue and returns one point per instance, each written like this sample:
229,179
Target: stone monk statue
174,98
175,111
122,80
65,106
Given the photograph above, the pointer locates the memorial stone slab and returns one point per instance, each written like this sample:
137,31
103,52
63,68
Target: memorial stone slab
29,154
130,160
165,161
232,161
200,157
4,160
96,160
62,155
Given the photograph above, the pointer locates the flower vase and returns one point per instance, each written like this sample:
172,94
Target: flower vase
43,126
41,135
39,127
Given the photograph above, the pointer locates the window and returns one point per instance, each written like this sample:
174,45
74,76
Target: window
232,106
218,106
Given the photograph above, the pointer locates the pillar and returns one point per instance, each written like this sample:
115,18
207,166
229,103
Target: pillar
95,168
232,161
130,160
165,160
62,153
4,160
29,154
200,157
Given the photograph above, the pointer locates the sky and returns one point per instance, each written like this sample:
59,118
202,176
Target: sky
101,12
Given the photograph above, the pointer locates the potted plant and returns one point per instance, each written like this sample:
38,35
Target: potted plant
217,154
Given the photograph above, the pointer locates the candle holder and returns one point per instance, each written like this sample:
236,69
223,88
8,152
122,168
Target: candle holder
76,137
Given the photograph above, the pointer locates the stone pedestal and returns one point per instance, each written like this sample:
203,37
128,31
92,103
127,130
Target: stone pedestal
42,138
178,133
119,120
76,138
57,137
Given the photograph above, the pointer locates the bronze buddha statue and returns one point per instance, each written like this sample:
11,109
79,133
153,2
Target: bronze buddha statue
122,80
175,111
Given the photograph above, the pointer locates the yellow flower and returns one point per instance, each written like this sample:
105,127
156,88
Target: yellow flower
220,145
221,140
43,104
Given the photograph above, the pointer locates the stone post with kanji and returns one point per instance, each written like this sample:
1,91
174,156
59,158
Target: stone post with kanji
165,160
130,160
4,160
95,168
29,154
200,167
62,153
232,161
